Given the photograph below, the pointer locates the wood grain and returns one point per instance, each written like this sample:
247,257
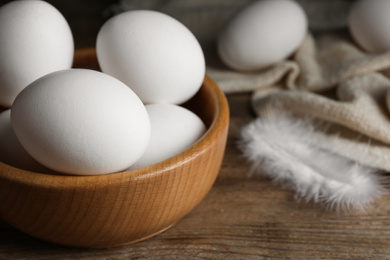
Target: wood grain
121,208
241,218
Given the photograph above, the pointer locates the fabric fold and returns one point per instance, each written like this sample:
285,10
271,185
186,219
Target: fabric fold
331,80
343,90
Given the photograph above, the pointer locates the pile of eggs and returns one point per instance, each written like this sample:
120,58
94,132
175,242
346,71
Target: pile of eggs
86,122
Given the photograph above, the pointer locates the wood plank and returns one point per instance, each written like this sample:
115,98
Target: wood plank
241,218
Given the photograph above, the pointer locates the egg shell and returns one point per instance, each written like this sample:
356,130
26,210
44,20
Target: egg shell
262,34
35,39
173,130
81,122
11,151
368,23
154,54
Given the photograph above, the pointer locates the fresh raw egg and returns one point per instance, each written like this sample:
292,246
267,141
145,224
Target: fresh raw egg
35,39
173,129
261,34
154,54
81,122
11,151
369,25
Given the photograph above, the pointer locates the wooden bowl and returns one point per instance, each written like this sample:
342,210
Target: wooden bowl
120,208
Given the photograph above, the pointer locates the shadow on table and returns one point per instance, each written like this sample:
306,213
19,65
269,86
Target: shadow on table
18,245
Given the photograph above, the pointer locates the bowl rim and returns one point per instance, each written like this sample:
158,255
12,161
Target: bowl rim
217,127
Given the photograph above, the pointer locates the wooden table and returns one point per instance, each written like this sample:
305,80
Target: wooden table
242,217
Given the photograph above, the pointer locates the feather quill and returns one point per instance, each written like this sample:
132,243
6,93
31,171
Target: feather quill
287,150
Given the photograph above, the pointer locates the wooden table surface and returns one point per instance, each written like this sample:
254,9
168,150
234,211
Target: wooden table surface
242,217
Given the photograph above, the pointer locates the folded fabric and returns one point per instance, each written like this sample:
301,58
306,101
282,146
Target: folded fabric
343,91
319,65
332,80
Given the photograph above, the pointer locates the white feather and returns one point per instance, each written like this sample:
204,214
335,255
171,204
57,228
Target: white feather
287,150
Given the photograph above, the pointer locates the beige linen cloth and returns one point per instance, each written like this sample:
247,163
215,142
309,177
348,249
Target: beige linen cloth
331,79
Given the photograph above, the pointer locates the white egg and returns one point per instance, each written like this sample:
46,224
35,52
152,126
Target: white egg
262,34
369,25
11,152
173,130
154,54
81,122
35,39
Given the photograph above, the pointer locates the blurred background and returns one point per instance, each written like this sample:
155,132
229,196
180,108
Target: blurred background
203,17
85,17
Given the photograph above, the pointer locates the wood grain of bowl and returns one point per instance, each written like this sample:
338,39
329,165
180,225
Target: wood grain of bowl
121,208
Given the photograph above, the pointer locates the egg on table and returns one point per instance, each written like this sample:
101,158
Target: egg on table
173,130
81,122
35,39
154,54
261,34
11,151
368,23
